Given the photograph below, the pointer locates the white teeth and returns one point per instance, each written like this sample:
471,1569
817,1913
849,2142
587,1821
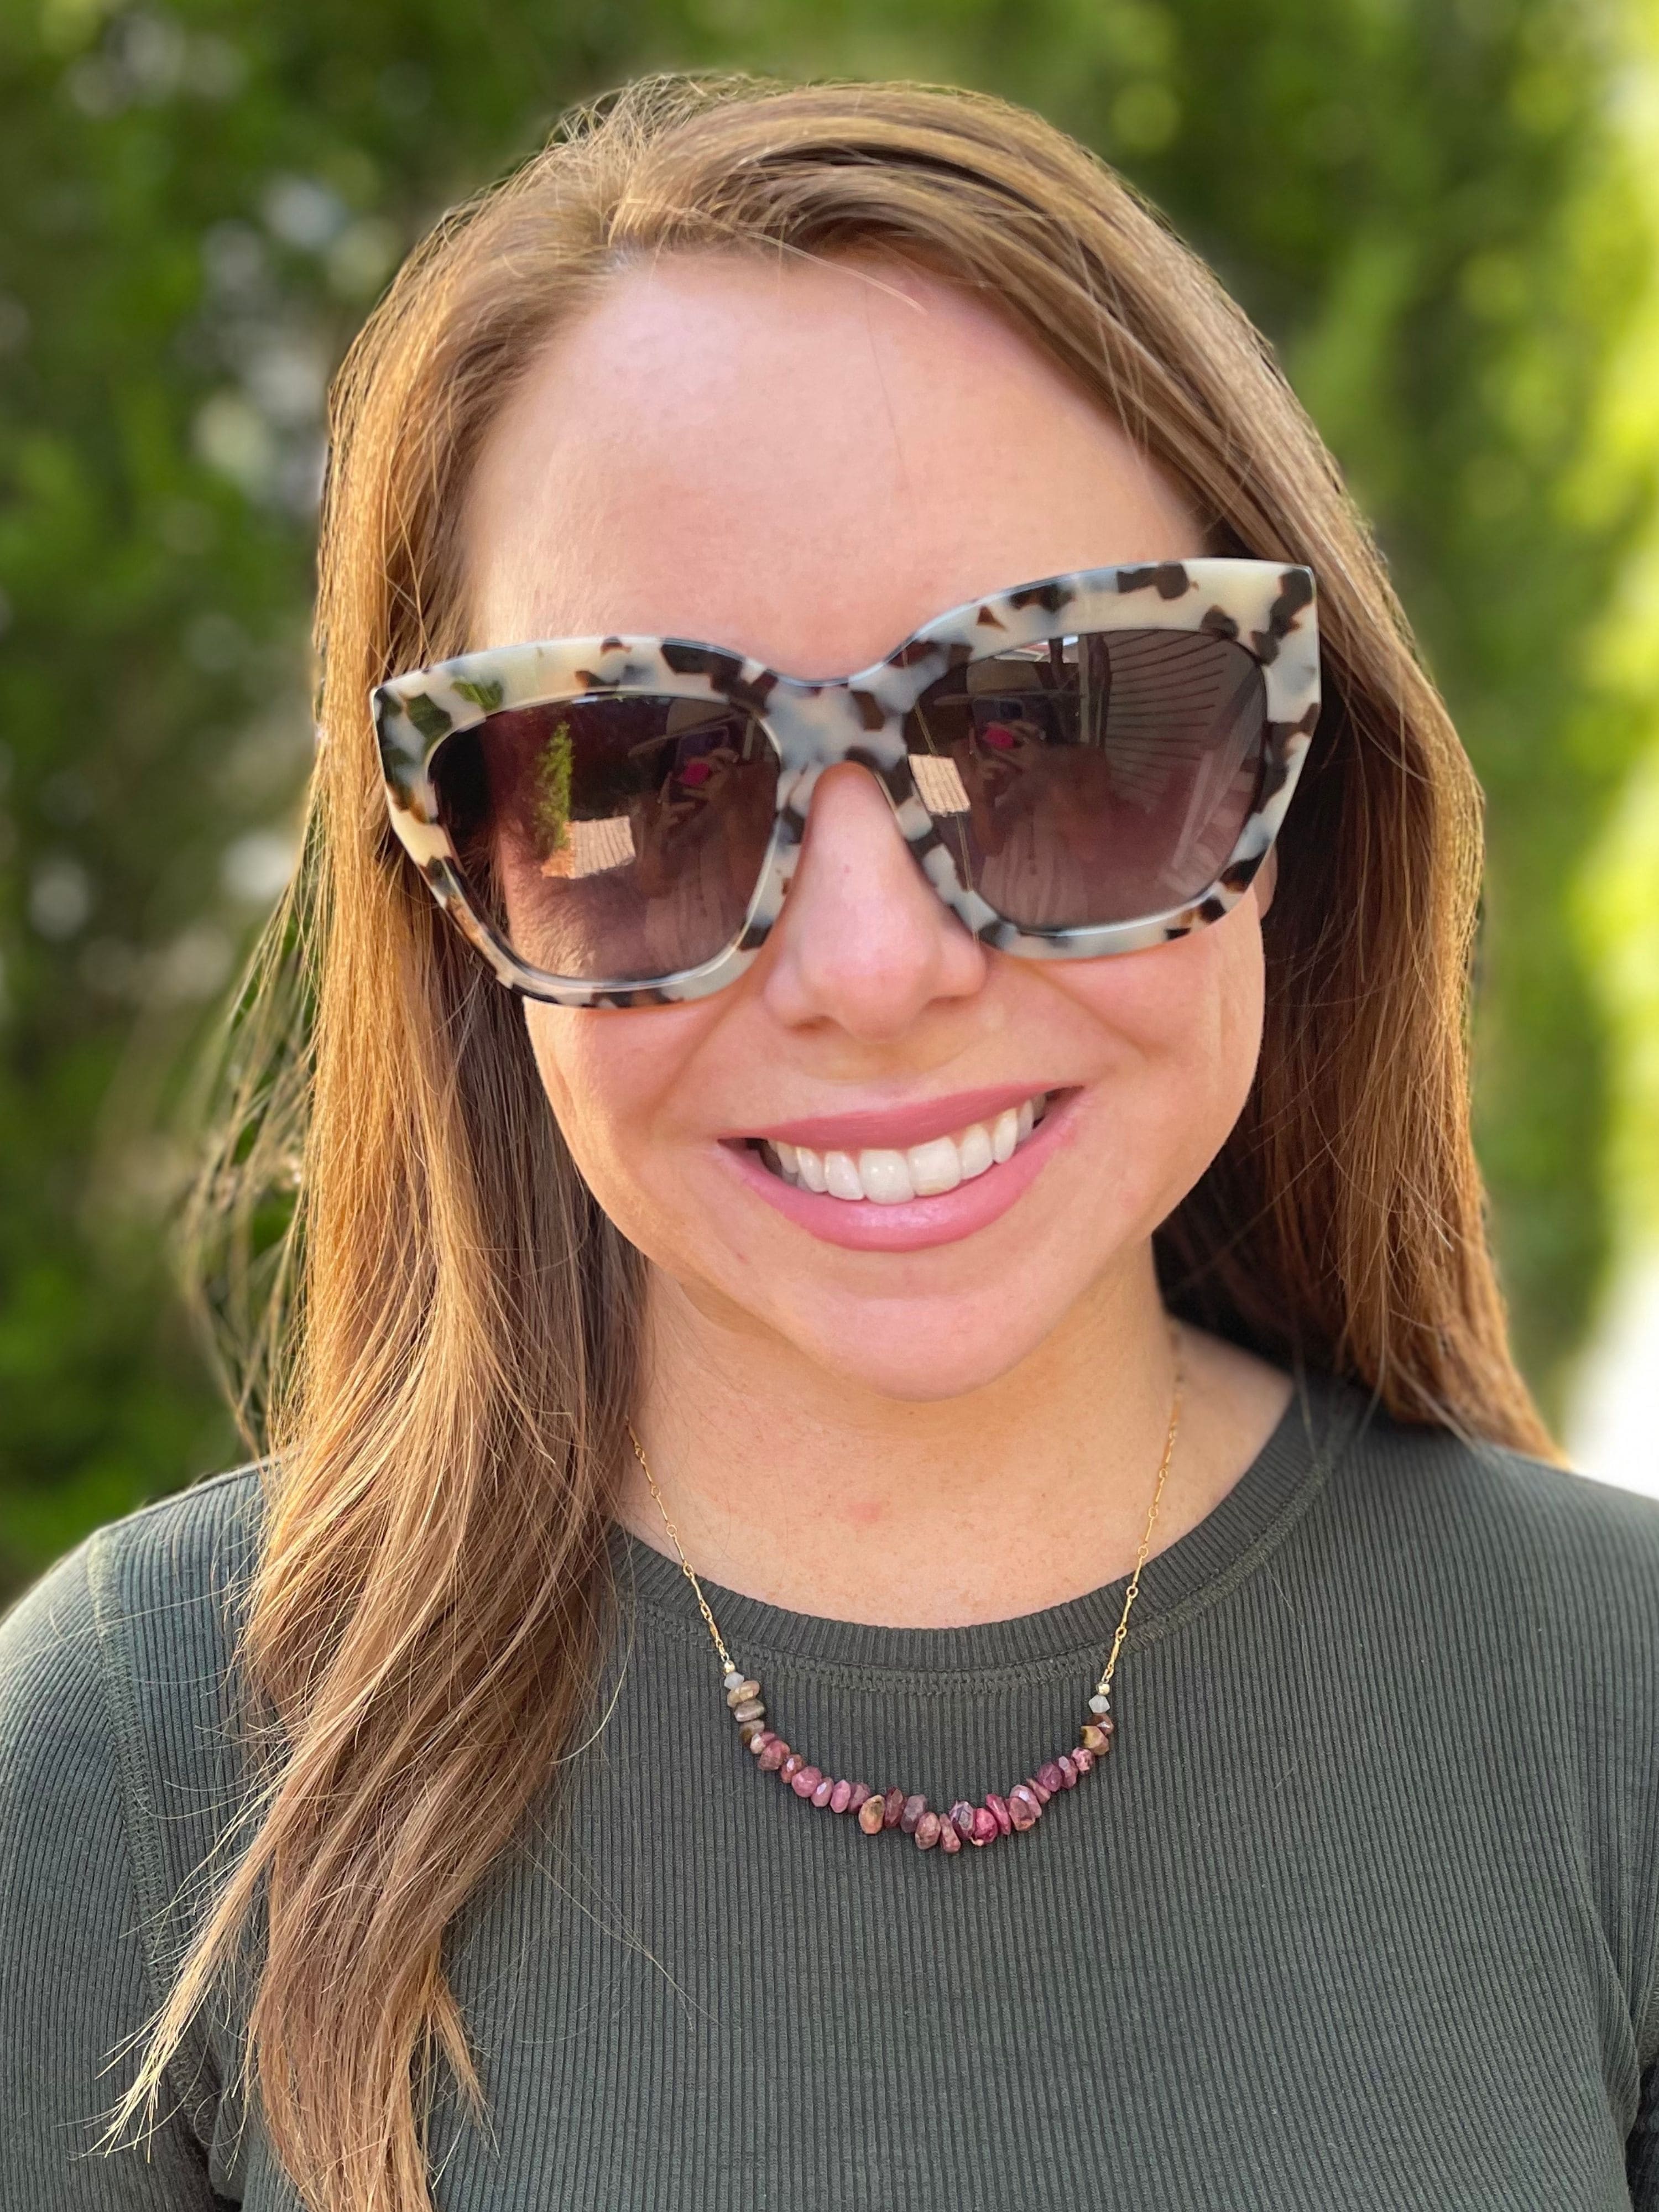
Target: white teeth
885,1177
936,1168
888,1177
975,1147
841,1176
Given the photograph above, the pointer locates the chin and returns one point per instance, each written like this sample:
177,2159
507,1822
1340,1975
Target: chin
913,1382
920,1353
916,1327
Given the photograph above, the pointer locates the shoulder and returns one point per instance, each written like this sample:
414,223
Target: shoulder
1533,1552
116,1667
119,1775
1499,1618
163,1582
1467,1487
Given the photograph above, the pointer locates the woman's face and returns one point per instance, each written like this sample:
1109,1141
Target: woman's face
805,463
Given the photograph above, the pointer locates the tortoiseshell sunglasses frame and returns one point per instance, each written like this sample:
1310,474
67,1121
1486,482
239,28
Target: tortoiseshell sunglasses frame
1264,607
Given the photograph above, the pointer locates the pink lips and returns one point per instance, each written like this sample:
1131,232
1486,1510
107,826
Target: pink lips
899,1128
864,1226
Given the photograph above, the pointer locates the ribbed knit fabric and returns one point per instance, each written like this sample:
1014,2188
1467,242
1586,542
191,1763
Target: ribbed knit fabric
1360,1915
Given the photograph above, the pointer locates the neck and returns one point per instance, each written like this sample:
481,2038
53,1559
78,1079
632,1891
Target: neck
800,1487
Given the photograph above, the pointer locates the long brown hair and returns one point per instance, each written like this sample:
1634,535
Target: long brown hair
452,1335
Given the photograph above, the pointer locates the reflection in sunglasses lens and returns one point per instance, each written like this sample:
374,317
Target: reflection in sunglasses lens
1076,781
611,840
1088,779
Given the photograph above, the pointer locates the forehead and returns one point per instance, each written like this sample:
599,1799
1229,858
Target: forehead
802,460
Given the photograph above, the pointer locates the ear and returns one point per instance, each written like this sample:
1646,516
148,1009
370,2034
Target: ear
1266,878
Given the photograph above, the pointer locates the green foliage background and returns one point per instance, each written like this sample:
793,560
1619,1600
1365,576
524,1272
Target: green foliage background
1443,211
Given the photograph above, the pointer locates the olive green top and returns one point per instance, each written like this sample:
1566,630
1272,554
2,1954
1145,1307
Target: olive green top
1360,1913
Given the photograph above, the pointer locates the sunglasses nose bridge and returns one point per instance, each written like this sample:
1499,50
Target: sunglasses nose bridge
861,722
821,726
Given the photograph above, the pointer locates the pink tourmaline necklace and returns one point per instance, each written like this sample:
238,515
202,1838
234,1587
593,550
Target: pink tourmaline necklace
1001,1814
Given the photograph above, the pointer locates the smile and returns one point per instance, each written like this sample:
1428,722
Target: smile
881,1175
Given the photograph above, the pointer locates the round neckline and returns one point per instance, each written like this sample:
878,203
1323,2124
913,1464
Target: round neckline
1202,1564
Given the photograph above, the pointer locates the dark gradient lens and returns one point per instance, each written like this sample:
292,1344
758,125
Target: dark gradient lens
1094,779
611,840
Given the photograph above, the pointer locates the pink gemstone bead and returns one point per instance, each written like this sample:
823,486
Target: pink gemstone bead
949,1841
914,1806
987,1827
1049,1776
805,1780
824,1792
1039,1790
1082,1758
894,1803
872,1816
758,1741
773,1754
961,1817
1023,1808
1068,1771
860,1791
926,1832
841,1797
791,1767
999,1812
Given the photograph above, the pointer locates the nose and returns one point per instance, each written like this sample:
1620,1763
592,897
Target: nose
864,940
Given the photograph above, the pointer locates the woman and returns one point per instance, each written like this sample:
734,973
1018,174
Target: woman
1139,1719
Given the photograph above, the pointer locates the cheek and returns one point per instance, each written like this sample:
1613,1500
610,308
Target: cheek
613,1078
1185,1022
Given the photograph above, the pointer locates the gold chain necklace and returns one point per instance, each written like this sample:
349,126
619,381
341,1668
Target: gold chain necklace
1000,1814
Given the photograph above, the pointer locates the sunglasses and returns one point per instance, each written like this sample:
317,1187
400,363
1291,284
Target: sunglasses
1088,765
